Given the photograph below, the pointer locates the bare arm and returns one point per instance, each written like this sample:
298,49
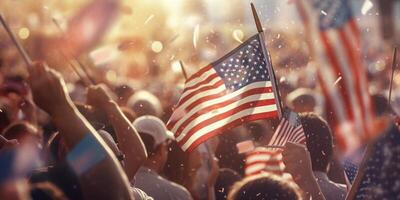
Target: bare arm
51,95
129,141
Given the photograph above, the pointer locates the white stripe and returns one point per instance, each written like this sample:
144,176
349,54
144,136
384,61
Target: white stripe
217,90
212,82
220,123
254,168
257,158
204,76
197,108
208,115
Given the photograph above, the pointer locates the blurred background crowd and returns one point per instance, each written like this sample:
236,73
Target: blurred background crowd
138,49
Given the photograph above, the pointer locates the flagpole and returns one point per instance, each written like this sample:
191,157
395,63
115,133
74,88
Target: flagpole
394,63
21,50
265,51
183,69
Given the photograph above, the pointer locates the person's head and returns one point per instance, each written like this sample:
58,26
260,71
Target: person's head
264,186
319,140
145,103
155,137
225,180
301,100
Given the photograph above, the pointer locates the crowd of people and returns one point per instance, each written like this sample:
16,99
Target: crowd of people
62,138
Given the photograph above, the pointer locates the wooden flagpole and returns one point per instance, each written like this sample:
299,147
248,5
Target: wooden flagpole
266,53
21,50
394,64
183,69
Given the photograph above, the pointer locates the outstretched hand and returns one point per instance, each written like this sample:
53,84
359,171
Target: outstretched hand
48,88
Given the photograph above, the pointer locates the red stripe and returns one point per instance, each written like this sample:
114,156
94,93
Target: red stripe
230,125
266,162
262,152
334,62
205,81
220,105
207,122
356,32
197,91
259,172
198,73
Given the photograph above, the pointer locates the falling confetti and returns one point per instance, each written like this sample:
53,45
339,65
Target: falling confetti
148,19
337,80
156,46
367,5
23,33
324,13
238,35
196,35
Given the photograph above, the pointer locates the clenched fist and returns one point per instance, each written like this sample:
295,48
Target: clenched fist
48,88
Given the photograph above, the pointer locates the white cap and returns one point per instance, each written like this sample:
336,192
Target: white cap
153,126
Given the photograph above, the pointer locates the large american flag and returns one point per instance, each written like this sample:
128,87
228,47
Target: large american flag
289,129
236,89
334,40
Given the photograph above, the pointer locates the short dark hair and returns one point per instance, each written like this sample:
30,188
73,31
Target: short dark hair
264,186
149,143
319,140
225,180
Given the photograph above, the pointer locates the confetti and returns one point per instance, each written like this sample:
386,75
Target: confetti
196,35
156,46
337,80
238,35
367,5
324,13
23,33
148,19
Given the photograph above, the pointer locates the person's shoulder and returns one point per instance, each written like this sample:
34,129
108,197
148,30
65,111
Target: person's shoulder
178,189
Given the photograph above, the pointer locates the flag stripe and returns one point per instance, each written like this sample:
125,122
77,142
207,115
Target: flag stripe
249,95
200,139
218,98
193,79
249,107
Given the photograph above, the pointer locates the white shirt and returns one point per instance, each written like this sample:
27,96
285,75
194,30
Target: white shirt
330,189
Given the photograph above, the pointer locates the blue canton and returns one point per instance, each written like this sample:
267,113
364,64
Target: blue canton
332,13
244,65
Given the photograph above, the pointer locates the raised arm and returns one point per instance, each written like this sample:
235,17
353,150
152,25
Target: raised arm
298,163
129,141
50,94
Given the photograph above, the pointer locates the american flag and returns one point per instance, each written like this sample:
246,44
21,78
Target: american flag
263,159
236,89
288,130
334,40
380,173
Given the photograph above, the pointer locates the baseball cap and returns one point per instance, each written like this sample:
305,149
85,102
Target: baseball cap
153,126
